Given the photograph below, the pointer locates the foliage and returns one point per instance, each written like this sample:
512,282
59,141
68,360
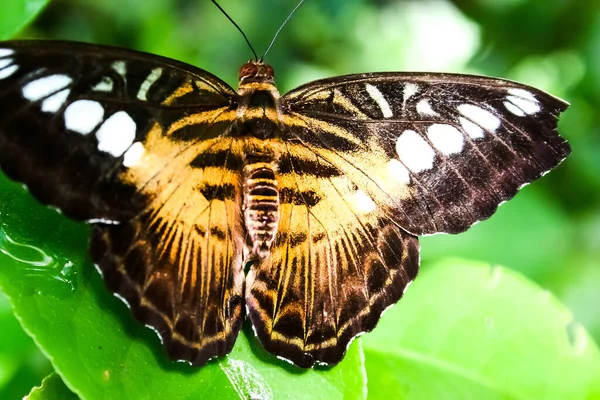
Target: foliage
464,330
18,13
52,388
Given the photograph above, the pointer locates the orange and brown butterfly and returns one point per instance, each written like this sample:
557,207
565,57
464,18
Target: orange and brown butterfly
300,211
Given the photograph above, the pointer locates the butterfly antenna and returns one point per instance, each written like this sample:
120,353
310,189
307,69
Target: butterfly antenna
280,28
238,28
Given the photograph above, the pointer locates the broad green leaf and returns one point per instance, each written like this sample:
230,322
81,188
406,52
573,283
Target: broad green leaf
52,388
16,14
21,365
466,330
96,346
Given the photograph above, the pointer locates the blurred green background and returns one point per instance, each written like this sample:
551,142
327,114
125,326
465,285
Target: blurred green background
550,232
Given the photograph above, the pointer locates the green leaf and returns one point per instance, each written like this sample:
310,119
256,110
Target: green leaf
52,388
16,14
469,331
21,364
97,347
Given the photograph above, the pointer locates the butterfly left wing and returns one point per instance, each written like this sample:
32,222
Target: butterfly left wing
178,263
71,111
136,144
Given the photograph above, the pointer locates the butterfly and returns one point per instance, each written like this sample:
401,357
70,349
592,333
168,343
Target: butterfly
301,212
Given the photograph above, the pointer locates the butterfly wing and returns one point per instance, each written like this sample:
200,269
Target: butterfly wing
135,144
336,264
372,160
437,152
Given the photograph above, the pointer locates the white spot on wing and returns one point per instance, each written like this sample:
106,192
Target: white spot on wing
157,334
480,116
377,96
99,270
8,71
514,109
133,155
523,100
42,87
362,203
473,130
529,107
102,221
414,152
123,299
446,138
105,85
116,134
398,171
152,77
424,108
54,102
6,62
6,52
120,67
522,93
83,116
410,89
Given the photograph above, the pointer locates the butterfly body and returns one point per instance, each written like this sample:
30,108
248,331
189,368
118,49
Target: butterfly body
325,188
261,202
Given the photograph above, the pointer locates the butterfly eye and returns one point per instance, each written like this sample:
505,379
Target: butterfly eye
248,70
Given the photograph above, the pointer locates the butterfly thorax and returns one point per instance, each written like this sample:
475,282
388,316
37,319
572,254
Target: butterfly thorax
258,110
258,115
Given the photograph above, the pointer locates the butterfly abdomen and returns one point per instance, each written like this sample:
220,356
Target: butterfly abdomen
261,203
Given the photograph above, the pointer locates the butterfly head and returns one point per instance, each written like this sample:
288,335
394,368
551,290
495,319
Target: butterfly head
256,71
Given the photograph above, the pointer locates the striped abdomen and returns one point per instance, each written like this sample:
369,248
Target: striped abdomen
261,205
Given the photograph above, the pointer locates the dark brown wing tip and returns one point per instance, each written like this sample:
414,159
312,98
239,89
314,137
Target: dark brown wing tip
545,151
124,266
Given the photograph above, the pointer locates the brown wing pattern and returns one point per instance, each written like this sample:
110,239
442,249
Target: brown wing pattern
151,151
372,160
178,264
335,265
58,96
133,143
458,145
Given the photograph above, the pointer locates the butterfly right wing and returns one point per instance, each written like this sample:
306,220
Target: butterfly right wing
438,152
336,264
371,161
137,145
